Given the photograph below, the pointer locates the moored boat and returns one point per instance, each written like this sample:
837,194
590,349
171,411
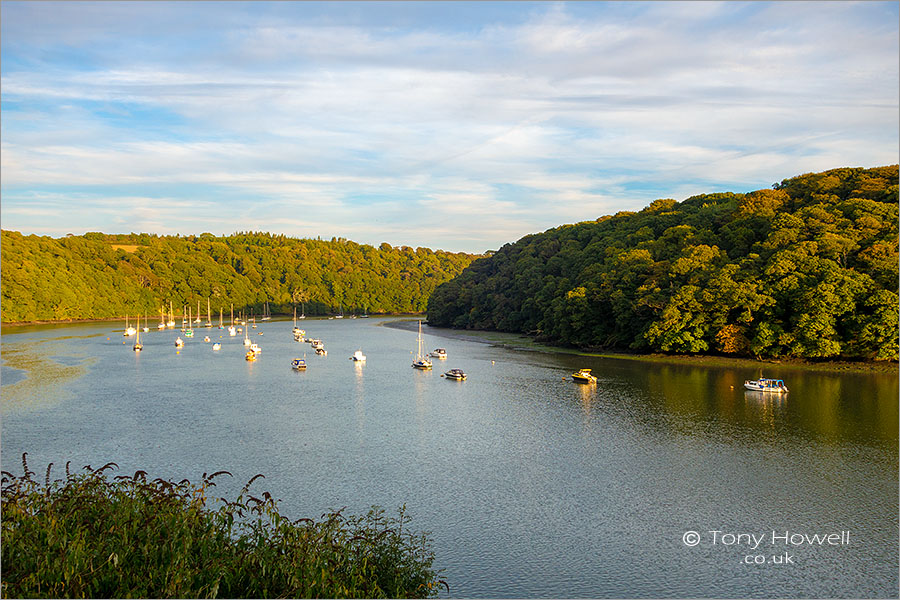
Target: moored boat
584,376
217,346
358,356
298,364
772,386
250,356
179,343
421,361
456,374
439,353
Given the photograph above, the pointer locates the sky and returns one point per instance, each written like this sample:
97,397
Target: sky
450,125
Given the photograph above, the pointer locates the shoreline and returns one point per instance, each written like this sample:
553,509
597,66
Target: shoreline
518,341
111,319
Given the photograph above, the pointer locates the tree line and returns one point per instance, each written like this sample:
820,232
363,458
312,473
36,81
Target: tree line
95,275
806,269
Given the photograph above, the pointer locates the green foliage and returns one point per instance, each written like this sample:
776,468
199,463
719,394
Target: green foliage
100,276
92,537
806,269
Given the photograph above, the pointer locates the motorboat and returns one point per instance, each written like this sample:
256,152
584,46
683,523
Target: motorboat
250,356
321,351
217,346
298,364
456,374
772,386
179,343
584,376
439,353
358,356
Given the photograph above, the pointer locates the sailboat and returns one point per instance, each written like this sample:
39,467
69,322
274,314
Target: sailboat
266,314
421,361
189,332
220,318
208,317
198,320
171,323
162,318
298,333
341,315
138,346
302,312
146,327
129,330
231,330
246,336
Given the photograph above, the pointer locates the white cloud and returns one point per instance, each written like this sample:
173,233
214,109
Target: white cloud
572,107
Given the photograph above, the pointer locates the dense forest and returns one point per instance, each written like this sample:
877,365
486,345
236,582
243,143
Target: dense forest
806,269
98,276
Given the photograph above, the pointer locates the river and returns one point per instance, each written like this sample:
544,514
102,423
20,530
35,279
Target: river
530,484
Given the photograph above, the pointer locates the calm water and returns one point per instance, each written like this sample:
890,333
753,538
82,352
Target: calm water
532,485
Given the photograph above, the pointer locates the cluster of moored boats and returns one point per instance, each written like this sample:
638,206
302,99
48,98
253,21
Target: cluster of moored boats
422,360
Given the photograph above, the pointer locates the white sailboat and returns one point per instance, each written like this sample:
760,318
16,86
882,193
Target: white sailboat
198,320
231,329
129,330
421,361
208,315
138,346
266,314
298,333
171,322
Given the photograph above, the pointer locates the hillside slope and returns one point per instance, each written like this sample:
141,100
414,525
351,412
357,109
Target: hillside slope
806,269
98,276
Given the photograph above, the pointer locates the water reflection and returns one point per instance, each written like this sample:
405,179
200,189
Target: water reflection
684,399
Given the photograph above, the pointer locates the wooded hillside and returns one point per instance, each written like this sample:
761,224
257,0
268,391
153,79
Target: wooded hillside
98,276
806,269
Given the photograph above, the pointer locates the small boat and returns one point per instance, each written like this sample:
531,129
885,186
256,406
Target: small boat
421,361
138,346
217,346
146,327
316,344
255,349
321,351
251,356
129,330
456,374
584,376
298,364
439,353
179,343
198,320
266,314
206,339
358,356
298,333
772,386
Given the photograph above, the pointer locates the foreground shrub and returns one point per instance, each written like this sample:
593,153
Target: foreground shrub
92,536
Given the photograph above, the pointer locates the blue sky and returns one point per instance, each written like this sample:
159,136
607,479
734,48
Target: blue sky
454,125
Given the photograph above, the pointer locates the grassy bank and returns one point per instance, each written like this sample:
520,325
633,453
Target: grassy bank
94,536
